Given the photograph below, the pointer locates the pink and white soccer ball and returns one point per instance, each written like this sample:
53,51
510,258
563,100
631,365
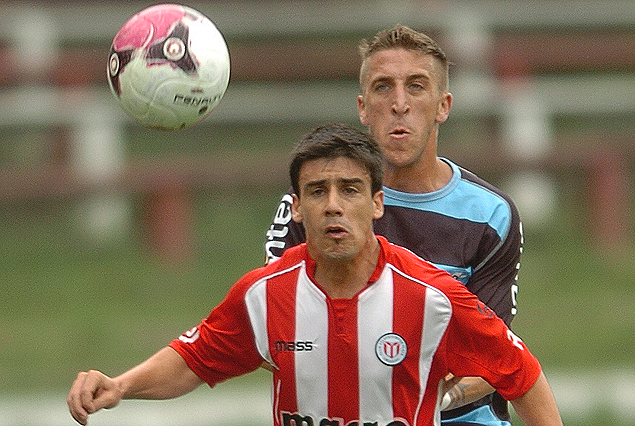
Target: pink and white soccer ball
168,66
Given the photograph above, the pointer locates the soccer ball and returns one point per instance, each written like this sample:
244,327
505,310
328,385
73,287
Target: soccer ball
168,67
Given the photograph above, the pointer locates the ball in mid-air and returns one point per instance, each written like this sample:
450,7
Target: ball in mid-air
168,66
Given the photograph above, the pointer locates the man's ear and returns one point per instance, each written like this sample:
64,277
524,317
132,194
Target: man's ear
295,209
443,110
378,201
361,110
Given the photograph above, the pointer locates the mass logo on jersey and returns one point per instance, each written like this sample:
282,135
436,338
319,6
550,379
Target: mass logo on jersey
297,346
391,349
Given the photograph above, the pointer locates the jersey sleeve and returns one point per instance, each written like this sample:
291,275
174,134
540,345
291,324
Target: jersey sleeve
495,278
222,345
284,232
477,341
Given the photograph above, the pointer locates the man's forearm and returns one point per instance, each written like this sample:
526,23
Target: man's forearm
538,406
465,390
162,376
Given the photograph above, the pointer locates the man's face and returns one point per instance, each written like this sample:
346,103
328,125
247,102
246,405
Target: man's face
336,207
402,103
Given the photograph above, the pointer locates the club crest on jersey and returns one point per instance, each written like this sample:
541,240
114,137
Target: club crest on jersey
391,349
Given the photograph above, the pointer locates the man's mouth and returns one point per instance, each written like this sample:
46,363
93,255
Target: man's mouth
399,131
336,231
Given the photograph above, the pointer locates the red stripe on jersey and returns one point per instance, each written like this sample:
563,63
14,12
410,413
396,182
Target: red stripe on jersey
343,366
281,328
408,310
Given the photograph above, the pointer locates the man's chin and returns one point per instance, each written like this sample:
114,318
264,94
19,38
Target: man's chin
339,252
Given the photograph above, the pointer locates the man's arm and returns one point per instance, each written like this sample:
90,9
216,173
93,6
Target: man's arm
460,391
537,407
497,287
164,375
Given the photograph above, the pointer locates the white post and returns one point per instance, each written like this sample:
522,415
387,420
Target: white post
97,156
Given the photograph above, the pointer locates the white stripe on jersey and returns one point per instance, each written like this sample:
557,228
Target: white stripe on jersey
375,309
256,301
436,317
311,319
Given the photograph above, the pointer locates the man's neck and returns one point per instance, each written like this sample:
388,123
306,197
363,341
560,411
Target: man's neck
417,179
343,279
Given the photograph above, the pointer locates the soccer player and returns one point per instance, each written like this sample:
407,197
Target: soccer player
438,210
357,331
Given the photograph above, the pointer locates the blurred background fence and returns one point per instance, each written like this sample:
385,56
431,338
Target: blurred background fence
107,226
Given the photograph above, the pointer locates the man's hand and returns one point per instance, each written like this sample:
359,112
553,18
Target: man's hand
91,391
163,375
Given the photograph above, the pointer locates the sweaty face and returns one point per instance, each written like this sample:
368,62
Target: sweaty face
336,207
402,104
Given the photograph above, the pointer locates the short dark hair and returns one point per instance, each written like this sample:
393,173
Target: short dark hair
403,37
338,140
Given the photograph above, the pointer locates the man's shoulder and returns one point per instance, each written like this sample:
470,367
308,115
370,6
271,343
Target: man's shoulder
410,268
292,256
291,259
411,264
479,184
482,201
466,196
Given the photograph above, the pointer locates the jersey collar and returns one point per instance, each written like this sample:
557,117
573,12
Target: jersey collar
379,268
409,197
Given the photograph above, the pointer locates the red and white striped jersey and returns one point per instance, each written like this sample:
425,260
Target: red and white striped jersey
375,359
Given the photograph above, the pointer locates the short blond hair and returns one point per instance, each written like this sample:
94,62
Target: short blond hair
402,37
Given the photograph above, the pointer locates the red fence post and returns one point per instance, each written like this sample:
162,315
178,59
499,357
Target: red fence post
609,205
169,222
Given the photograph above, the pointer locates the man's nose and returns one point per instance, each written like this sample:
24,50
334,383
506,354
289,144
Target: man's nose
334,205
400,102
